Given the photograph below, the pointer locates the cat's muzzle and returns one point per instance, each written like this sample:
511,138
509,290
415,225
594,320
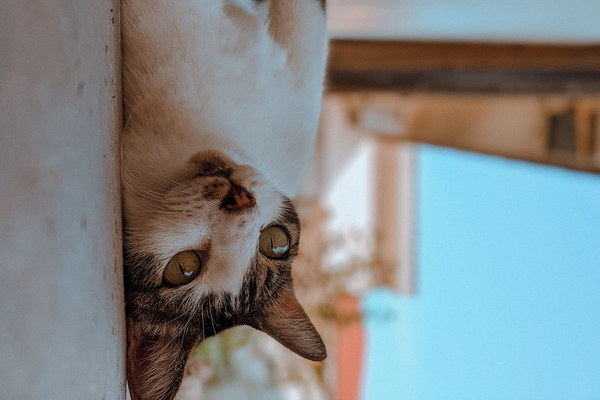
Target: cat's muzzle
238,199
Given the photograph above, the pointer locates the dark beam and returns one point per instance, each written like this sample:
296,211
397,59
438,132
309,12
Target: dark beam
464,67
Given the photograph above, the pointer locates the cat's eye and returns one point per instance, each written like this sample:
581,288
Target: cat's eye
274,242
182,268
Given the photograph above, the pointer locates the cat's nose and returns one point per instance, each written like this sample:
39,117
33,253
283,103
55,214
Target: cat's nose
238,199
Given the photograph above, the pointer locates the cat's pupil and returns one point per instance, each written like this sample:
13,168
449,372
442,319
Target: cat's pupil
182,268
274,242
280,250
187,271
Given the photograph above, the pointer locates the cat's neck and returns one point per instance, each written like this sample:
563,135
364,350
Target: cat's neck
248,101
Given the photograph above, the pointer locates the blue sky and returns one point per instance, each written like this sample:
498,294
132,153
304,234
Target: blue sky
508,302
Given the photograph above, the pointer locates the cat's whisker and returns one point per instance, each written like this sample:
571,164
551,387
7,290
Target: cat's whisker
185,328
202,317
212,321
175,319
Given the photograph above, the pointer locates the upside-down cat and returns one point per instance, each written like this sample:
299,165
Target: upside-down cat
221,100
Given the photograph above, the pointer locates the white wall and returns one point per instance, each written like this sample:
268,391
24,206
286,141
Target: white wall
61,291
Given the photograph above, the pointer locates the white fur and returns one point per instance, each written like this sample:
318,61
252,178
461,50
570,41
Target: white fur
237,76
216,77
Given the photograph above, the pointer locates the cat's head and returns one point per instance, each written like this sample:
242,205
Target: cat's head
207,250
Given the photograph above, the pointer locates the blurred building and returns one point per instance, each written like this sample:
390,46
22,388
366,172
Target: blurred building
453,233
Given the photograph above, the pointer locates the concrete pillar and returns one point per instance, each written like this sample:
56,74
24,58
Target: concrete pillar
61,288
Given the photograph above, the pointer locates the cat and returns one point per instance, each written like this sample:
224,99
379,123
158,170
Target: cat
221,104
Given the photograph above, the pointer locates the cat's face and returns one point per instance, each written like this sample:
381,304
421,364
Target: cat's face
210,250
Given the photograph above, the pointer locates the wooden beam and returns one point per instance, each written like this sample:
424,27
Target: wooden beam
460,66
361,55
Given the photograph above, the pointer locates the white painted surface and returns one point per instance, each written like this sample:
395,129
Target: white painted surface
61,302
470,20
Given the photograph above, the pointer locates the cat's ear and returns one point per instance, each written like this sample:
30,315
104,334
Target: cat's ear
155,365
286,322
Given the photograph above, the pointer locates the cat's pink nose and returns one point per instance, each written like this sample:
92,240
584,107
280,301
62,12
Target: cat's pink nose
238,199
